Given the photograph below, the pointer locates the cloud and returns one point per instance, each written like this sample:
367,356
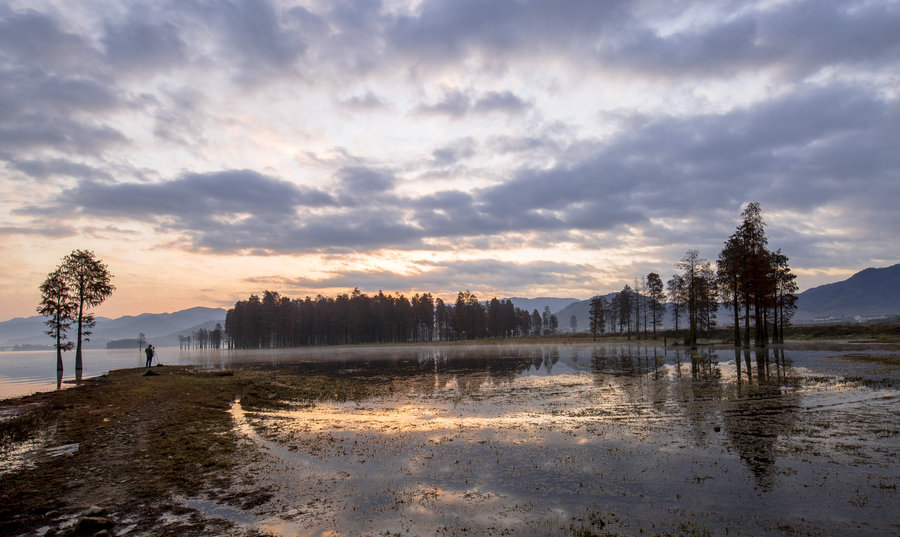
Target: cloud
31,38
790,38
455,152
365,102
260,40
232,192
453,103
445,278
500,101
361,185
613,127
142,46
443,32
52,94
44,169
457,104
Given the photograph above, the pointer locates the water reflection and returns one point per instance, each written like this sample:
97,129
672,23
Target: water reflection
468,430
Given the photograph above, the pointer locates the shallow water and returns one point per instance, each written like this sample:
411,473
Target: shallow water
27,372
537,440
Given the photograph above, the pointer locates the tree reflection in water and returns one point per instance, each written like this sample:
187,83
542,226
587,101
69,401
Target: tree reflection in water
500,434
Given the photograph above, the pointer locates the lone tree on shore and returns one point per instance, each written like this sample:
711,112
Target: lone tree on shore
86,284
58,305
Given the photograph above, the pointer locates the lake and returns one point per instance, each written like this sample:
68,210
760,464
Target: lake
586,439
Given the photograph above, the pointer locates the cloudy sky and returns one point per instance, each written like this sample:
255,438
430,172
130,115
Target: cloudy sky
206,150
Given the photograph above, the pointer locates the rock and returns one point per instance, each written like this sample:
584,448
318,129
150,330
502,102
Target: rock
102,533
95,510
90,525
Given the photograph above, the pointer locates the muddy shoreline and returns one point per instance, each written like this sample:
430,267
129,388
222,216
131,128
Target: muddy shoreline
603,440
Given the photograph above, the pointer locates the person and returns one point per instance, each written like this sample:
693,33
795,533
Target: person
150,354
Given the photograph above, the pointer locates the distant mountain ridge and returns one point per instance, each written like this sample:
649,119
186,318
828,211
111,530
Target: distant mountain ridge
531,304
868,293
161,329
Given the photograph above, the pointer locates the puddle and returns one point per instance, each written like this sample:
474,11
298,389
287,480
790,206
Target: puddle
530,440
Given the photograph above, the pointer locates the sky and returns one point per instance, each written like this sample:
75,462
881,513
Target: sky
207,150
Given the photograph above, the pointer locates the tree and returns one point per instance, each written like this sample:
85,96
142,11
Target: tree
57,304
90,284
693,269
216,336
597,314
751,235
142,340
785,294
612,313
657,298
573,323
625,309
536,322
638,307
676,288
729,272
553,323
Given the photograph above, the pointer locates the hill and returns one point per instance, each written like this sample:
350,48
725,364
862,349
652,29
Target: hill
160,328
872,292
531,304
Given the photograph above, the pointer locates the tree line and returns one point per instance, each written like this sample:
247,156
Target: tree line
755,283
274,320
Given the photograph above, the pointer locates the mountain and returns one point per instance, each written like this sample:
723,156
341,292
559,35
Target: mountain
531,304
159,328
869,293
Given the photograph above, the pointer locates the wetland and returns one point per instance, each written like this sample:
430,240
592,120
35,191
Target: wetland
542,439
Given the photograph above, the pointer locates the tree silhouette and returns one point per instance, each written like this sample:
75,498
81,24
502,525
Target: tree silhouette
657,295
57,304
693,268
90,283
597,315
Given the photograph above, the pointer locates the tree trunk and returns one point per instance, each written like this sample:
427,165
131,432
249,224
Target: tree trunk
59,362
737,321
78,361
746,323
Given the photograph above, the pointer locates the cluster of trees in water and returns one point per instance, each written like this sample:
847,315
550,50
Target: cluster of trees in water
756,284
279,321
203,338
